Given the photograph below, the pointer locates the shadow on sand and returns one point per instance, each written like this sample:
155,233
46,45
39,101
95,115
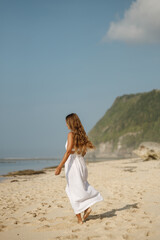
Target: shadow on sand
111,213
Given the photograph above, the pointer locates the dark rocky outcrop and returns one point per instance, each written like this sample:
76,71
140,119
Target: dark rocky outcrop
23,172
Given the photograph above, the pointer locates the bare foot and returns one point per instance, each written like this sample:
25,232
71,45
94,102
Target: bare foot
79,218
86,213
80,222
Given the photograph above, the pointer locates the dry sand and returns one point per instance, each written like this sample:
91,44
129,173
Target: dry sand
37,207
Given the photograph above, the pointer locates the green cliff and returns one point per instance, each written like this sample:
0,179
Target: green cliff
132,119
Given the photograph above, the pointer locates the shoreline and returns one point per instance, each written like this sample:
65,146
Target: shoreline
87,160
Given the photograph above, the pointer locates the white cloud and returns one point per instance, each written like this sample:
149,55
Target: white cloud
140,24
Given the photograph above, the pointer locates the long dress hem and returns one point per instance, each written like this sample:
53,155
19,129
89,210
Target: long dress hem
98,200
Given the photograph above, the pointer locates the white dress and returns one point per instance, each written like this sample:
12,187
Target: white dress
80,193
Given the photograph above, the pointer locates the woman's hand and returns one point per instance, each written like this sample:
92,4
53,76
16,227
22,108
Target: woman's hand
58,170
72,152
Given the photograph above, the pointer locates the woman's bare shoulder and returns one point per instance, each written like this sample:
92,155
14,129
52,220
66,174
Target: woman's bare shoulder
71,134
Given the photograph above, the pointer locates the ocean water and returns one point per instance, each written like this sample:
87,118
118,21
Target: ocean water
10,165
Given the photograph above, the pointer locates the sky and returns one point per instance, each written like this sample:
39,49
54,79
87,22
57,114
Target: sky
70,56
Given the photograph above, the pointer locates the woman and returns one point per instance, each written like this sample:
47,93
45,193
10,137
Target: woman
80,193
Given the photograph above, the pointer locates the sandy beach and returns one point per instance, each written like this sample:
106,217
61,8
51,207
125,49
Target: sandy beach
37,207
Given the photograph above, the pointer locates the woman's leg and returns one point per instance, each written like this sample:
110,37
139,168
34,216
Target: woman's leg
86,213
79,218
85,210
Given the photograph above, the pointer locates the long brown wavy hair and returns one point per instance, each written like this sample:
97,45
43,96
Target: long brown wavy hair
81,141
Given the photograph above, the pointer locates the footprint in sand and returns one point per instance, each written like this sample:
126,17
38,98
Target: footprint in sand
44,227
43,204
107,228
59,205
147,233
16,222
75,230
2,227
34,214
26,223
93,237
42,219
67,237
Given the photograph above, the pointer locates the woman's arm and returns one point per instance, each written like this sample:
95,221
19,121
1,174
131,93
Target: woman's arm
67,153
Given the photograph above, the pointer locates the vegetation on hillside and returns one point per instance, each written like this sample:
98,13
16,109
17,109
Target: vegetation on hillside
136,117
